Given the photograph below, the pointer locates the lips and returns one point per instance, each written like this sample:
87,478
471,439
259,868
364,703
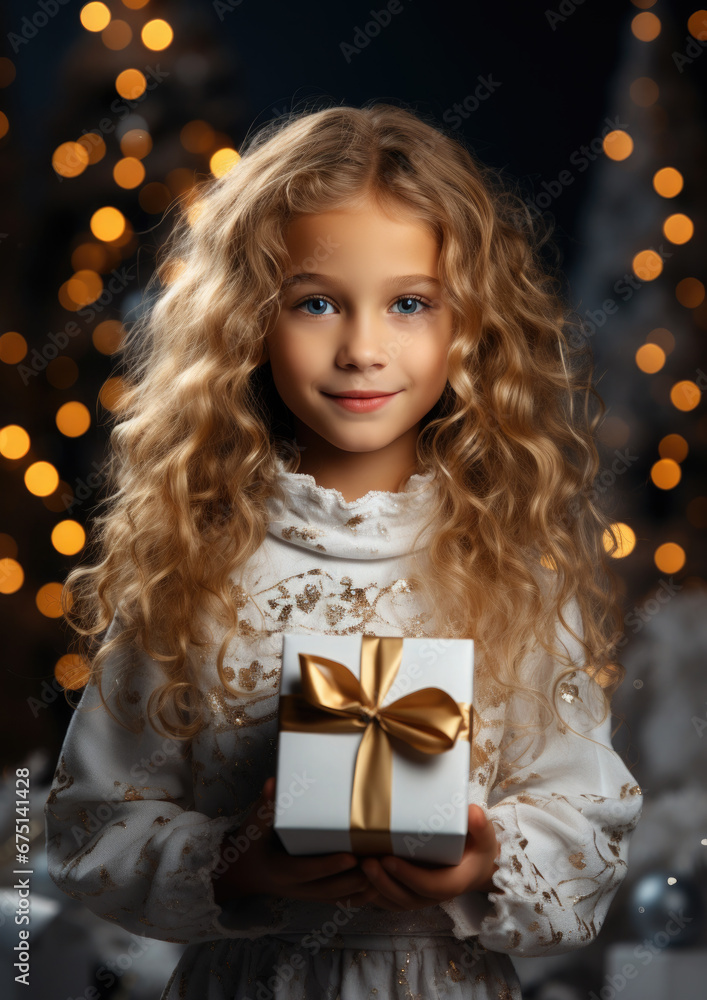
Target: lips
362,402
361,394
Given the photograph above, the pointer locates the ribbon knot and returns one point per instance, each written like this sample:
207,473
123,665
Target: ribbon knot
333,700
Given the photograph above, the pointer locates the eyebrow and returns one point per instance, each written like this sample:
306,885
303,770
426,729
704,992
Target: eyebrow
402,279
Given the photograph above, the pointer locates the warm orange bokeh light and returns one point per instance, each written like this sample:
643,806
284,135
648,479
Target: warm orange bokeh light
668,182
94,144
647,265
650,358
11,576
14,441
73,419
107,223
41,478
673,446
666,473
111,393
13,347
72,671
678,228
128,172
94,16
131,84
197,136
625,540
108,336
663,338
645,27
223,160
669,557
685,395
697,25
157,34
117,35
70,159
644,91
618,145
84,287
48,600
68,537
690,292
136,142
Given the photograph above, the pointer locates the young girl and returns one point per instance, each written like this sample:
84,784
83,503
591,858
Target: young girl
350,253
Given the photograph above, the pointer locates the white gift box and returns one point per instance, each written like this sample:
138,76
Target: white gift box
315,770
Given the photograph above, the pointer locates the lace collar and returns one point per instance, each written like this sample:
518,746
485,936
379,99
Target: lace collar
377,525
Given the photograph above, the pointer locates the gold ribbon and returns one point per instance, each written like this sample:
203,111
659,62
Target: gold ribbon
333,700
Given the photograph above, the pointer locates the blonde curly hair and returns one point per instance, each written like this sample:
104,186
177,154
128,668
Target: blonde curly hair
192,457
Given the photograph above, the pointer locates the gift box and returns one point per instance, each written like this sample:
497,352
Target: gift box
374,746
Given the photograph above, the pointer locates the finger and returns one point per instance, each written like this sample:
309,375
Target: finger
481,830
432,884
331,888
390,888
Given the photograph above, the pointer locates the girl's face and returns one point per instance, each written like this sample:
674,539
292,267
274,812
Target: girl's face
362,309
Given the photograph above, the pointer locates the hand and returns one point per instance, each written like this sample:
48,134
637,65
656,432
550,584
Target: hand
264,866
403,885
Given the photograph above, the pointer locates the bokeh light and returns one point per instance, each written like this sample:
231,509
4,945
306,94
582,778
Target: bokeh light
11,576
673,446
650,358
668,182
107,223
685,395
690,292
73,419
669,557
223,160
94,16
14,441
48,600
625,538
678,228
131,84
72,671
41,478
646,27
13,347
666,473
68,537
647,265
157,34
618,144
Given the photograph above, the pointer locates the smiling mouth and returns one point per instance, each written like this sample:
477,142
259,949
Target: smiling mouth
360,395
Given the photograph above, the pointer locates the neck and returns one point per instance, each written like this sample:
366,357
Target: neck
355,473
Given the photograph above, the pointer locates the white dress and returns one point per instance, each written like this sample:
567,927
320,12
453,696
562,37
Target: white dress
134,826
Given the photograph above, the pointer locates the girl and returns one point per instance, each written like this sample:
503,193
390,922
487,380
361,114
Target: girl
352,408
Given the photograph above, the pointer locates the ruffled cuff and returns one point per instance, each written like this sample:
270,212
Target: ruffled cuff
499,929
251,916
467,911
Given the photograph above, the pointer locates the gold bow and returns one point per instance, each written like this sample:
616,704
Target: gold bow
333,700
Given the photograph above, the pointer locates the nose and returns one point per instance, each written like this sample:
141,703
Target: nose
364,344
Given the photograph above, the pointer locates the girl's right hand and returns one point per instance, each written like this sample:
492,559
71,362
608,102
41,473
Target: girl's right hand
264,866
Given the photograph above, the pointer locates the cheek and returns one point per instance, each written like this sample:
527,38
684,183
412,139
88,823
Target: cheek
431,361
290,357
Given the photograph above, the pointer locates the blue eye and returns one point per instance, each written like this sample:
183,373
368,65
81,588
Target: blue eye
322,302
412,298
317,299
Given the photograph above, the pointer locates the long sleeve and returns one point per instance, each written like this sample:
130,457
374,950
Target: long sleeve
123,836
563,814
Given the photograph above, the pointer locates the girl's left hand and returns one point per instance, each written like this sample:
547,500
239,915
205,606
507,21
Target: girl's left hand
403,885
